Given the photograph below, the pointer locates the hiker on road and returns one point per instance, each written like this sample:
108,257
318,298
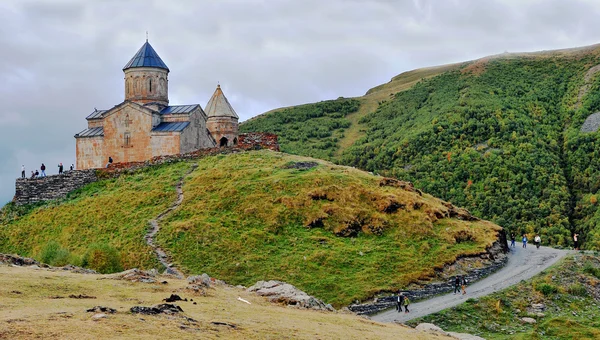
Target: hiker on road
406,303
464,285
399,302
457,284
512,240
524,241
538,241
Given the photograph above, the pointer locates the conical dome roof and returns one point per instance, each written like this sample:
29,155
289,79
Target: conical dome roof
218,105
146,56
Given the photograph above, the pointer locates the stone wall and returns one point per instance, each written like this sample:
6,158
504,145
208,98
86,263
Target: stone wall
51,187
58,186
496,254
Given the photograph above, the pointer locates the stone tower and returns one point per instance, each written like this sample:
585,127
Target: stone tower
146,78
222,120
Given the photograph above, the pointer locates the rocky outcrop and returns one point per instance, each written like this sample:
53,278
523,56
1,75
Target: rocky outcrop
281,292
435,330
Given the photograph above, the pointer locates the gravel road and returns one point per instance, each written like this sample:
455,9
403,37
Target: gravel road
522,264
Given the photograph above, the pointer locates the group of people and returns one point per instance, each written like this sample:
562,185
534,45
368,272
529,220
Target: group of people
402,300
42,171
537,240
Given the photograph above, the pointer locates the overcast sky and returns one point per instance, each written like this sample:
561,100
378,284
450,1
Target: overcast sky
61,59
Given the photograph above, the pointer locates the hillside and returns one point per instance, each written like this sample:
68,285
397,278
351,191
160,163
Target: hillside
335,232
44,304
499,135
563,300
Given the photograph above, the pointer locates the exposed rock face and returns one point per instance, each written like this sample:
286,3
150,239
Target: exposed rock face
592,123
135,275
18,260
165,308
281,292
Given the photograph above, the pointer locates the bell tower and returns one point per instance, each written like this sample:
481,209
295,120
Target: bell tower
146,77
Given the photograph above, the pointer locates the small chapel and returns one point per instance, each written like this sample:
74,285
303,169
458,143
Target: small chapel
144,125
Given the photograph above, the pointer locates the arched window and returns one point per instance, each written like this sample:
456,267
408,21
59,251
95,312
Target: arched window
150,85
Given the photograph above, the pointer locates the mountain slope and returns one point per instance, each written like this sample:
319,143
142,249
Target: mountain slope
335,232
500,136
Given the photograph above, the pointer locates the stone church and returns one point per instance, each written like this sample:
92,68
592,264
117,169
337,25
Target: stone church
145,125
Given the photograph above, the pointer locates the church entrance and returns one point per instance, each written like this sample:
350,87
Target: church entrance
223,142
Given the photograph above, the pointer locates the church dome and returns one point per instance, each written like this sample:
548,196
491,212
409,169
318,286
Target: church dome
218,106
146,56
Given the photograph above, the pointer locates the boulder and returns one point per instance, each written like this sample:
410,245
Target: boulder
165,308
281,292
99,316
528,320
134,275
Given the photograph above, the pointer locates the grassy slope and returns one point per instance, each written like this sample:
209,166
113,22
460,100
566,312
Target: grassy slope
113,212
499,136
247,221
571,312
33,314
244,218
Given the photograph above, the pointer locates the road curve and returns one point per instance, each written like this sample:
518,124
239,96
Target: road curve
523,263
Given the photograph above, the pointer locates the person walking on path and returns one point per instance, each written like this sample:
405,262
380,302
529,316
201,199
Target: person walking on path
524,241
43,169
23,171
399,302
512,240
60,168
538,241
464,285
457,284
575,241
406,303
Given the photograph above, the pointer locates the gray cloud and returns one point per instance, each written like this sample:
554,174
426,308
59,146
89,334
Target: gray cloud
60,59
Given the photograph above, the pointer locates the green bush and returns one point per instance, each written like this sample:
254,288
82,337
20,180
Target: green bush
546,289
55,255
590,269
577,289
102,258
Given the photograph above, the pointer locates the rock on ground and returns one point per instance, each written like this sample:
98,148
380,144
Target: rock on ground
135,275
528,320
281,292
431,328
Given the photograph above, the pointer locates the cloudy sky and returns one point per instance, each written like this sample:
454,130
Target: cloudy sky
60,59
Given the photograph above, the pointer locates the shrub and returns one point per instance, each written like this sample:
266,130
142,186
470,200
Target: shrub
577,290
54,255
102,258
590,269
546,289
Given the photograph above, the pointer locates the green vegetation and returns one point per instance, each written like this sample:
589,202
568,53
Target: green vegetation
83,228
312,130
567,292
499,136
336,232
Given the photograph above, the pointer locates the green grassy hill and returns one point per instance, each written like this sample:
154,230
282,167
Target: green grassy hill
336,232
499,136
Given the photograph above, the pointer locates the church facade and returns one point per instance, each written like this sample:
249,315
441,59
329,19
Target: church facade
144,125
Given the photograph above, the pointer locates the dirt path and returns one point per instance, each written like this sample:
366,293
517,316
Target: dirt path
522,264
164,258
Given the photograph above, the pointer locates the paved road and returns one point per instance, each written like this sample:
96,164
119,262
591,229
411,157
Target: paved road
522,264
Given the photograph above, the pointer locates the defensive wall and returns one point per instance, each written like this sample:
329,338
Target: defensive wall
54,187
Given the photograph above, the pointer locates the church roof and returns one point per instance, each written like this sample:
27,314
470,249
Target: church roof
96,114
146,56
175,109
93,132
171,126
218,105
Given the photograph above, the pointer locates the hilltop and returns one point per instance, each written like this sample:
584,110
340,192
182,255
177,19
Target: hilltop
501,136
338,233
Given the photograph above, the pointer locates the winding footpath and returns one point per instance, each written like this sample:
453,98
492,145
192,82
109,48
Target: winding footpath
163,257
523,263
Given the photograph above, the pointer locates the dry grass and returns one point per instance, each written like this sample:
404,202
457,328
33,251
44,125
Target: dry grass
27,311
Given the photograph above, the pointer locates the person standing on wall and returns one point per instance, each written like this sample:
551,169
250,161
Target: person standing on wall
60,168
23,171
43,169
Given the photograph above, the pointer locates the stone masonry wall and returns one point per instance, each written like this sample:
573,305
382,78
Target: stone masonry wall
51,187
58,186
